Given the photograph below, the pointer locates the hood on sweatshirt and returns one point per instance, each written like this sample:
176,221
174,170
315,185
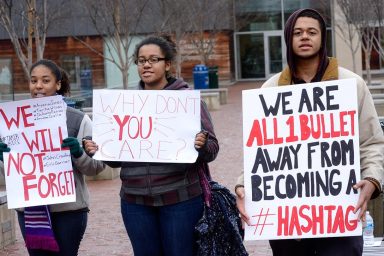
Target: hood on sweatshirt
173,84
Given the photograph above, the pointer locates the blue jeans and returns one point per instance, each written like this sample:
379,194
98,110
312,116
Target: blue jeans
163,230
68,227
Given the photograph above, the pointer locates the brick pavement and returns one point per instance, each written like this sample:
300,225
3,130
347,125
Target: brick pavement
105,234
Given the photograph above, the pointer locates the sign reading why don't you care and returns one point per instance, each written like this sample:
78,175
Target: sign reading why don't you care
146,125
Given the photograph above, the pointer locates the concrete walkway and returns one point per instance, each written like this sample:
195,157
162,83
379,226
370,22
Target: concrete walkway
106,235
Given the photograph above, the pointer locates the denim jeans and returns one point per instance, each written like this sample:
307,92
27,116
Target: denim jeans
68,227
163,230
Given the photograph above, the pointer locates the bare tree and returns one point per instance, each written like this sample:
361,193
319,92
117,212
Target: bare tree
378,7
175,20
207,19
247,14
193,24
27,23
117,21
365,23
347,29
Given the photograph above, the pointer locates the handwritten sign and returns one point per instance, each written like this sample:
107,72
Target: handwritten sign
301,159
146,126
37,171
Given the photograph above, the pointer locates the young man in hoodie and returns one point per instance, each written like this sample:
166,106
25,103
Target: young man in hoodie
305,37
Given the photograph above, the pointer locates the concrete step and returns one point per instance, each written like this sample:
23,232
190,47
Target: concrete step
379,105
378,96
376,89
223,93
7,222
212,99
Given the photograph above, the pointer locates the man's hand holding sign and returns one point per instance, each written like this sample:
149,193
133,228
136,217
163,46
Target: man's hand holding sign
301,161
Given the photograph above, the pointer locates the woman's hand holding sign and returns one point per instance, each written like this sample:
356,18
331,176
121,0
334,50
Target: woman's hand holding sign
201,139
90,146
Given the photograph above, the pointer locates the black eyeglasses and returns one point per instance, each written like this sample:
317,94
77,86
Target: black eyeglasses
151,60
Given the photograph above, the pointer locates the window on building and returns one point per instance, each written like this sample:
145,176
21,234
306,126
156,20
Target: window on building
6,85
258,15
268,15
322,6
79,69
382,47
252,56
377,59
260,48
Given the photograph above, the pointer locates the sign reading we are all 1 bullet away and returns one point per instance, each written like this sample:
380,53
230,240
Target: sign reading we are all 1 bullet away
37,170
301,159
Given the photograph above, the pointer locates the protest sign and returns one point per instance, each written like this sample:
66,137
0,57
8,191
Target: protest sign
301,159
37,171
146,125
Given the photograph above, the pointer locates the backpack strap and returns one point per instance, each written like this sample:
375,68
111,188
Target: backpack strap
74,119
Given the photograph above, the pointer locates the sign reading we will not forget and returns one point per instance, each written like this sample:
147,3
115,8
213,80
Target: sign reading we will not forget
37,171
146,125
301,159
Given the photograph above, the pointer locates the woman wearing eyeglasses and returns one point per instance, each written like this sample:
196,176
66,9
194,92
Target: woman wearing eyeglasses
162,202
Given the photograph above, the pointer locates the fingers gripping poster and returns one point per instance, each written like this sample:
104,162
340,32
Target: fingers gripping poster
301,159
146,125
37,171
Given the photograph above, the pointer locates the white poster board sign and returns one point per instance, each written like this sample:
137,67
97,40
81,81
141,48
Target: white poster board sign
37,171
146,125
301,159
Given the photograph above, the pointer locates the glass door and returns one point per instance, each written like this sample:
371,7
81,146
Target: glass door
251,56
259,55
274,49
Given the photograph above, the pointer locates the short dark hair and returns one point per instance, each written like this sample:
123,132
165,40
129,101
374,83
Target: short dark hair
314,15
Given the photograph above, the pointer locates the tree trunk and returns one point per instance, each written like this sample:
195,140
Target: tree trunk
178,64
368,67
125,74
31,31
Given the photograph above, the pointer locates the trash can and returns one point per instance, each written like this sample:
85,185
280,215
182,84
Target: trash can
79,102
70,102
200,77
86,87
213,77
86,79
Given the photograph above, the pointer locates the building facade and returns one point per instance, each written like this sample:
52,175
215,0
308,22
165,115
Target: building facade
259,37
249,46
